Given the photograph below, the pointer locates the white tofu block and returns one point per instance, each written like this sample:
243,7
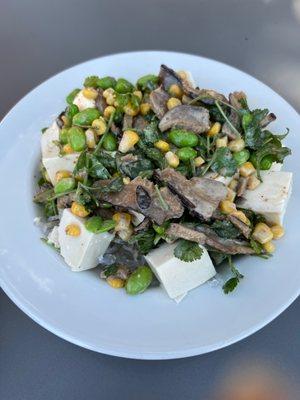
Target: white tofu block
82,102
63,163
53,237
275,167
50,149
81,252
270,198
176,276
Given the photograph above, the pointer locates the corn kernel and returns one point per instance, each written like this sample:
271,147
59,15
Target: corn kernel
90,93
138,93
175,91
198,161
111,100
99,125
67,149
129,139
125,218
162,146
230,195
172,159
269,247
115,283
241,216
126,180
182,74
108,111
215,129
62,174
247,169
145,108
130,110
278,231
79,210
108,92
173,102
222,142
262,233
90,138
253,182
236,145
227,207
72,230
233,184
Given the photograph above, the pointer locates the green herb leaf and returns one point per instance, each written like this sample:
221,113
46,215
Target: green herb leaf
92,81
223,162
144,241
150,135
270,149
96,169
107,159
147,82
188,251
134,167
230,285
44,196
156,156
257,247
50,209
254,136
225,229
111,270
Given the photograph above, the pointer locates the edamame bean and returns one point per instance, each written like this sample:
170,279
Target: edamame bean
266,163
123,86
86,117
110,142
147,82
241,156
91,81
97,225
71,111
182,138
64,185
107,82
77,138
64,135
186,153
71,96
139,280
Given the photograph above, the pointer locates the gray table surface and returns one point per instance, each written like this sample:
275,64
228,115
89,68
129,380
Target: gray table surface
39,38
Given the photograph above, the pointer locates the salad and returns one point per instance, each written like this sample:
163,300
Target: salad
161,182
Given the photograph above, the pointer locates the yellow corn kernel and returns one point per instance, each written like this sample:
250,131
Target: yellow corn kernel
236,145
215,129
108,92
62,174
72,230
111,100
162,146
269,247
172,159
253,182
90,93
108,111
90,138
130,110
247,169
230,195
233,184
182,74
122,217
99,125
262,233
115,283
198,161
222,142
145,108
79,210
67,149
126,180
241,216
138,93
175,91
227,207
278,231
173,102
129,139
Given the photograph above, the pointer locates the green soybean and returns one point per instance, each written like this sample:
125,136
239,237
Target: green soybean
71,96
182,138
71,111
139,280
91,81
123,86
64,185
147,82
97,225
241,156
109,142
266,163
64,135
86,117
107,82
77,138
186,153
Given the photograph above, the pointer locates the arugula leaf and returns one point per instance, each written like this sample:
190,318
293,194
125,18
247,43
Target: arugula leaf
188,251
144,240
223,162
96,169
230,285
225,229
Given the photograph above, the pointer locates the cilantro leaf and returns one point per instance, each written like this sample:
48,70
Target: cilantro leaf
254,136
223,162
230,285
149,135
144,240
271,149
156,156
188,251
225,229
96,169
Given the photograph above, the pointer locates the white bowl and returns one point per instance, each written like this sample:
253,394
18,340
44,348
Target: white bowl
81,308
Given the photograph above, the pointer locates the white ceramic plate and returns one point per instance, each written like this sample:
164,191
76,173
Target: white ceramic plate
81,308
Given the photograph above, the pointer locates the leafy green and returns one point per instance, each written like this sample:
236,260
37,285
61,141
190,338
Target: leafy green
156,156
230,285
44,195
257,247
150,134
223,162
188,251
146,174
144,240
50,208
147,82
81,163
271,149
107,159
96,169
134,167
92,81
114,185
111,270
225,229
254,137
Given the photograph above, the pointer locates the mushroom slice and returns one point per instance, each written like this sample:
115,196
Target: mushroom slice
158,101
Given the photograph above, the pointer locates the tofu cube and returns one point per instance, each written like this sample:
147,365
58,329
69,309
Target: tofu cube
82,102
52,238
270,198
176,276
63,163
81,252
49,148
